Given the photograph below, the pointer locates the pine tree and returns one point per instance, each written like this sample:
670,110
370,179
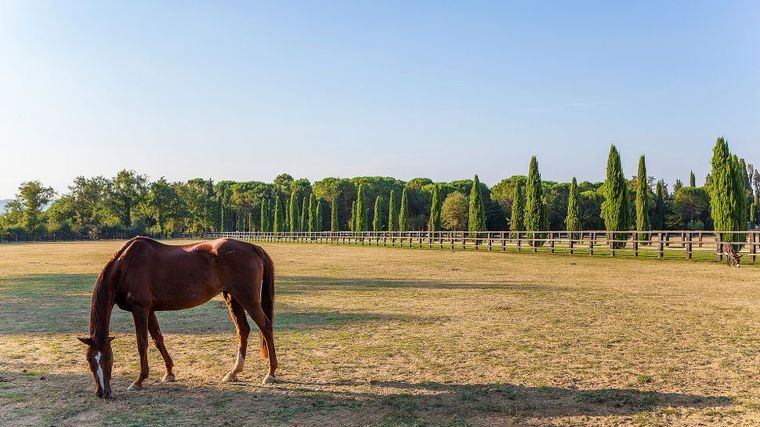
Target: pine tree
279,216
294,216
535,215
377,218
476,218
659,207
334,224
573,218
392,216
692,180
642,200
303,224
435,211
677,186
403,215
318,215
617,209
516,224
361,210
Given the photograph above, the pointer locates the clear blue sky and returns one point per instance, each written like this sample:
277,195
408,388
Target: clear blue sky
440,89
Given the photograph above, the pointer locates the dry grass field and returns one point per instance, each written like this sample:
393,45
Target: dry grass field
380,336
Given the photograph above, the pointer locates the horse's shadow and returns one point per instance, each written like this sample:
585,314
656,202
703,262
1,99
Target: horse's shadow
351,402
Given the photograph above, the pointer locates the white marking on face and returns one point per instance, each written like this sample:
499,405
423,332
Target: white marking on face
100,371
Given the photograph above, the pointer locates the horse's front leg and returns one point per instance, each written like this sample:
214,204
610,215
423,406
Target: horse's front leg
140,316
158,339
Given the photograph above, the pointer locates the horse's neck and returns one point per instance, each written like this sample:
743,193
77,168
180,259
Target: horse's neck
100,311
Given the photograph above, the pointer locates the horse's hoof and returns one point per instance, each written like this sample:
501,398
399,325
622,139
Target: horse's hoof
268,380
229,378
135,387
168,378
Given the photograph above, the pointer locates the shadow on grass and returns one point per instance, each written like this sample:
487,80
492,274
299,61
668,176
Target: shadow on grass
340,403
61,304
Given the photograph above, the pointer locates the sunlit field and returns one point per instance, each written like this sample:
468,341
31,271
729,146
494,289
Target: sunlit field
389,336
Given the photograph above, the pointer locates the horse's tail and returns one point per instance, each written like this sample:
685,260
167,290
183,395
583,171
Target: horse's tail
267,294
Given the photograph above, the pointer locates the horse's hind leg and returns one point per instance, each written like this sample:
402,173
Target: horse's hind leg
265,326
158,339
237,313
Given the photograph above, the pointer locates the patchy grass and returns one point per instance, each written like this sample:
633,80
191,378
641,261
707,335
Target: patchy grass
381,336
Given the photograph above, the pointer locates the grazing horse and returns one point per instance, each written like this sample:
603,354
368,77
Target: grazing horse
146,276
731,255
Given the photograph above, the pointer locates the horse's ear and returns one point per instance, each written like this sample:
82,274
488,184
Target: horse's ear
86,341
111,339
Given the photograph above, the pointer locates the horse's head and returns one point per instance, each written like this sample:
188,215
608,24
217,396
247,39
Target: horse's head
100,358
737,260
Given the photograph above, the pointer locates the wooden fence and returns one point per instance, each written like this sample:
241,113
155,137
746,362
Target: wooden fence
658,244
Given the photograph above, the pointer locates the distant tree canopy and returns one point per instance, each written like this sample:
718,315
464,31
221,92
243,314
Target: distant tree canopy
129,203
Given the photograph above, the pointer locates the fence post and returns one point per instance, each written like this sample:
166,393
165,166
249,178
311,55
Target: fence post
688,246
660,246
519,242
591,238
551,242
719,249
752,246
635,244
570,243
612,243
503,242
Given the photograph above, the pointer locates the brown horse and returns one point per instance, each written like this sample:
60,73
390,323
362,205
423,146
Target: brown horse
732,257
146,276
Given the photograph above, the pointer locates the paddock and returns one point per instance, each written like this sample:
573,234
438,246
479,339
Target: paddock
383,336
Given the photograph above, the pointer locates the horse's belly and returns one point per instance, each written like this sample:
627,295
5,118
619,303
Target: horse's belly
183,298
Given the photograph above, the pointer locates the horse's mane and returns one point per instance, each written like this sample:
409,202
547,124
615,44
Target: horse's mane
102,295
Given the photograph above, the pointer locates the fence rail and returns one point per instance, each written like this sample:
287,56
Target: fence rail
659,244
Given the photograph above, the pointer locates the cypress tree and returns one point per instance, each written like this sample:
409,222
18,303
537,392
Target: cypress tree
617,209
435,210
476,219
516,223
642,199
361,210
294,216
318,215
573,218
753,213
659,207
739,196
727,192
692,180
251,227
377,218
263,223
352,220
535,215
334,224
403,215
312,213
279,217
303,224
392,217
745,175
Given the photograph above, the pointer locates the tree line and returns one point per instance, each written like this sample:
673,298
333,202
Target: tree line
129,204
